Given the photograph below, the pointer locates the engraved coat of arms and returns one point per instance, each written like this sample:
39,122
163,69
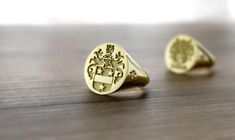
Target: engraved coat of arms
105,68
181,52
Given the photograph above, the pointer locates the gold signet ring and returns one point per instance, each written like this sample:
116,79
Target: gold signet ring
109,67
184,54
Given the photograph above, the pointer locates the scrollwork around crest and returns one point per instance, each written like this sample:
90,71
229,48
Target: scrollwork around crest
107,59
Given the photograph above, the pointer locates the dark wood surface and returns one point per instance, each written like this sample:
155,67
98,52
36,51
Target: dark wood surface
43,95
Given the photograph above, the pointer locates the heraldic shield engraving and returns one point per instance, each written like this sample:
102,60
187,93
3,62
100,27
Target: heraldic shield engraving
106,68
181,52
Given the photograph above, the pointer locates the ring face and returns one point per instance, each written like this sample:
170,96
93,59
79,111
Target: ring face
181,54
106,68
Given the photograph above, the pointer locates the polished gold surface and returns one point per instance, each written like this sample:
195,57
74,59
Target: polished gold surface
108,67
185,53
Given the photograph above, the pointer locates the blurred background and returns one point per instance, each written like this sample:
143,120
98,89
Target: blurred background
50,12
45,43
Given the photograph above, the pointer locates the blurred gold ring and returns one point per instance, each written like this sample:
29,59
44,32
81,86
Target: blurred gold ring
184,53
109,66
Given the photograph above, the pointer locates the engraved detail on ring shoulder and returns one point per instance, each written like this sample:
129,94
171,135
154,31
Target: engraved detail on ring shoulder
106,68
181,52
133,74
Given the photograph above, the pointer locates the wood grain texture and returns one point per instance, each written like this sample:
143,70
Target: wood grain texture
43,95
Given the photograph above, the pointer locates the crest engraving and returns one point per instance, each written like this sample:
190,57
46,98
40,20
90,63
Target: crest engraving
105,68
181,52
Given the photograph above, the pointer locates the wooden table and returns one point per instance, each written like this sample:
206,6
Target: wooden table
43,95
